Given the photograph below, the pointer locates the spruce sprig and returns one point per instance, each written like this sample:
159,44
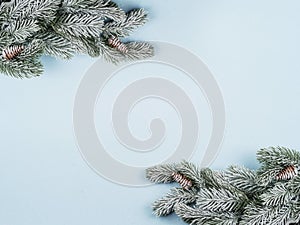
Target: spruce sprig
237,195
63,28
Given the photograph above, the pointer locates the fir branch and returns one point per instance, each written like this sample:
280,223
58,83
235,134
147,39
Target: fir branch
16,9
79,25
273,161
243,179
134,19
21,69
135,51
197,216
165,205
77,3
41,9
106,9
110,54
4,40
32,9
57,46
221,200
295,215
238,195
278,157
88,46
161,173
64,28
214,179
139,51
165,173
254,214
20,30
33,50
192,172
294,185
282,217
277,196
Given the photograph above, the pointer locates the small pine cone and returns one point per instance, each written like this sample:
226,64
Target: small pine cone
12,51
287,173
182,180
115,42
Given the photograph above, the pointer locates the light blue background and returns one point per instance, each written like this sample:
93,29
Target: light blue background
253,49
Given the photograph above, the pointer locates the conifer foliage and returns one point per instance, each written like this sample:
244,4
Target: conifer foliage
63,28
237,195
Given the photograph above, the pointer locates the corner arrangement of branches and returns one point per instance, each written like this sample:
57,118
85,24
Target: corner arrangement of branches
63,28
236,196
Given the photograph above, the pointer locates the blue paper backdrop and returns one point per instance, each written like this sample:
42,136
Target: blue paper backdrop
253,50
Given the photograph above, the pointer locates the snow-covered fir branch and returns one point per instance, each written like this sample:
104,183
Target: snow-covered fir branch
63,28
237,195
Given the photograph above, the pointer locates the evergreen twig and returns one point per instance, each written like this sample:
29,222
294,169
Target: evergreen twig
236,196
63,28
